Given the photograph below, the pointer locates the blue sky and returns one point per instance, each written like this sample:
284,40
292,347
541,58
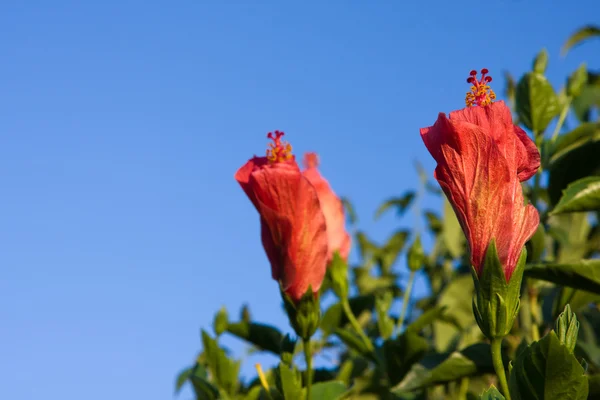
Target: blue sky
122,123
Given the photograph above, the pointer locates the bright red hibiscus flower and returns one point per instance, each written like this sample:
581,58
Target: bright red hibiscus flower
293,226
482,158
332,207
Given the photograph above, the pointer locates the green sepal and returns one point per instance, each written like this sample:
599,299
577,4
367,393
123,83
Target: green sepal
305,314
497,301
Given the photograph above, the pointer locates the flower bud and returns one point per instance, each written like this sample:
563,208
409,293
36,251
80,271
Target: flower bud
497,301
304,314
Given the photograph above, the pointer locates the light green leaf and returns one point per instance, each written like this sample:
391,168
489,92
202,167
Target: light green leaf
582,34
456,297
438,369
328,390
581,195
584,275
547,370
492,394
452,233
536,102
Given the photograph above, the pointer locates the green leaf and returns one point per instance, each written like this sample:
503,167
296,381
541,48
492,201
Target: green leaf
584,275
383,302
265,337
182,378
581,195
427,318
492,394
582,34
547,370
573,156
536,102
204,389
540,63
456,297
334,317
401,353
573,140
388,254
400,203
223,370
221,321
289,383
442,368
355,342
589,98
452,233
577,81
536,245
350,212
328,390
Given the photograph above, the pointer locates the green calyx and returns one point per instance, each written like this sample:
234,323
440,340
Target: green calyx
497,301
305,314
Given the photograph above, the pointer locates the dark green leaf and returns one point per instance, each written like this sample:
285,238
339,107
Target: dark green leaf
536,102
355,342
573,156
328,390
547,370
334,317
492,394
434,222
584,274
582,34
401,353
182,378
263,336
400,203
350,212
204,389
441,368
536,245
581,195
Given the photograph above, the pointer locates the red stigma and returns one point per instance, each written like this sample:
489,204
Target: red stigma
481,94
278,151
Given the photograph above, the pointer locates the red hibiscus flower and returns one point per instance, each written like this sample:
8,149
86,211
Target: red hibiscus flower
482,158
293,229
332,207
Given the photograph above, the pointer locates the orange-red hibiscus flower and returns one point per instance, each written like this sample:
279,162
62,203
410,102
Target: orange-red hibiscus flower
332,207
482,158
293,228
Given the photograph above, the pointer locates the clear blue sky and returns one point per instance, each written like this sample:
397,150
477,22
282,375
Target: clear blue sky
122,123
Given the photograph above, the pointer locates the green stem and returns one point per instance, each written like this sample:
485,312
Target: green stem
561,118
406,299
308,357
463,389
355,324
499,366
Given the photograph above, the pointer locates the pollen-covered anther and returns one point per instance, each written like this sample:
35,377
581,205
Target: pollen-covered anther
278,151
481,94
